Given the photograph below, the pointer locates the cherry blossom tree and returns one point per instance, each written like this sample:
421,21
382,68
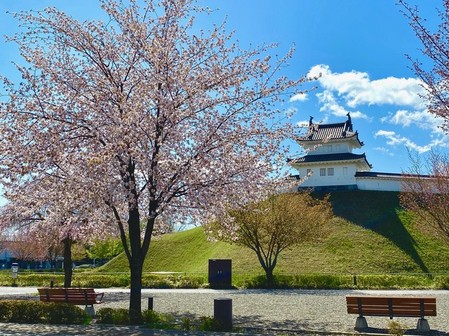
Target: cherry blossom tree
43,211
275,224
435,47
426,192
428,196
154,119
23,247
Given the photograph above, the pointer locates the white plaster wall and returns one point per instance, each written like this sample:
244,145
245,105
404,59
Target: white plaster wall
329,148
380,184
340,177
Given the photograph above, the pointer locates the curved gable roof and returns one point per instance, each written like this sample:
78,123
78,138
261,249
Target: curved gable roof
327,132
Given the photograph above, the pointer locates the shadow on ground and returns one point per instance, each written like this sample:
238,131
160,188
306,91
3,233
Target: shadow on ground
377,211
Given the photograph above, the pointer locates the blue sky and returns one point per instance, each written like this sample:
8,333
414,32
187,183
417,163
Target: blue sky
358,47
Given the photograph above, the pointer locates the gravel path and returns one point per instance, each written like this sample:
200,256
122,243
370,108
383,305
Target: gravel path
311,310
322,311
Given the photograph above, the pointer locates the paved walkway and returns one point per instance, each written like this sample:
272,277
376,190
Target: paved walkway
259,312
10,329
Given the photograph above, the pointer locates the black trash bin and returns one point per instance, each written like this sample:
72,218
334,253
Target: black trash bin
220,273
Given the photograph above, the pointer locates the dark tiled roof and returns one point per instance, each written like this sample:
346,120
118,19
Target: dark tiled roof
379,174
376,174
323,132
330,157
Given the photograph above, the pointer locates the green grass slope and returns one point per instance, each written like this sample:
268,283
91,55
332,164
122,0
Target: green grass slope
369,234
187,251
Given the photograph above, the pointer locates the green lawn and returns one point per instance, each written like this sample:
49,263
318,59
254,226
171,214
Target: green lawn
370,234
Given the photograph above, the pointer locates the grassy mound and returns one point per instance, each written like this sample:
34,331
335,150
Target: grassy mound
370,233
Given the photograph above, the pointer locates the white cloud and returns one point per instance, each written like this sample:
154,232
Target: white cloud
344,92
384,150
330,103
394,139
422,119
356,88
303,123
299,97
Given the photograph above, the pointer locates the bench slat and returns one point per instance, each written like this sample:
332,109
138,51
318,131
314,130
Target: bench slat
391,306
396,312
79,296
384,299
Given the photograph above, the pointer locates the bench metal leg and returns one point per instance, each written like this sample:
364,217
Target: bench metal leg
361,323
90,310
423,325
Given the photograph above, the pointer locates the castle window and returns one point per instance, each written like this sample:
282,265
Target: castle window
345,171
322,171
330,171
309,172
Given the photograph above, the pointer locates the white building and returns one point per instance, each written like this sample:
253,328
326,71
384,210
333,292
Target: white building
330,163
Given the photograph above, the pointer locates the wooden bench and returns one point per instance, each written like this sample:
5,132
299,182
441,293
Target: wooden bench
76,296
392,306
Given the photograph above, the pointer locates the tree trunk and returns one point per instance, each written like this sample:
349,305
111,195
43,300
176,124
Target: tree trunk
68,271
135,260
135,303
268,267
270,277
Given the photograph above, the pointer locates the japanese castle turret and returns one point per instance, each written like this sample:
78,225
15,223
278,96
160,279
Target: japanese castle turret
330,163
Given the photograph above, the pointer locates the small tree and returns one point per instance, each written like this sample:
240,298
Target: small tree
275,224
427,196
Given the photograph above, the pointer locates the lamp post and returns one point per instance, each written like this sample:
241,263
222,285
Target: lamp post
14,272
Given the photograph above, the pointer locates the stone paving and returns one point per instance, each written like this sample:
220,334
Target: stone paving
255,312
11,329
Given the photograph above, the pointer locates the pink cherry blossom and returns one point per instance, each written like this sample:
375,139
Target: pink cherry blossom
146,120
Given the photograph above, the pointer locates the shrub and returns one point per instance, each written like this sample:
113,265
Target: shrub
259,281
186,324
322,281
101,280
174,281
105,316
208,323
27,311
190,281
157,282
5,310
31,279
441,282
65,313
118,316
157,320
394,281
185,280
395,328
311,281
